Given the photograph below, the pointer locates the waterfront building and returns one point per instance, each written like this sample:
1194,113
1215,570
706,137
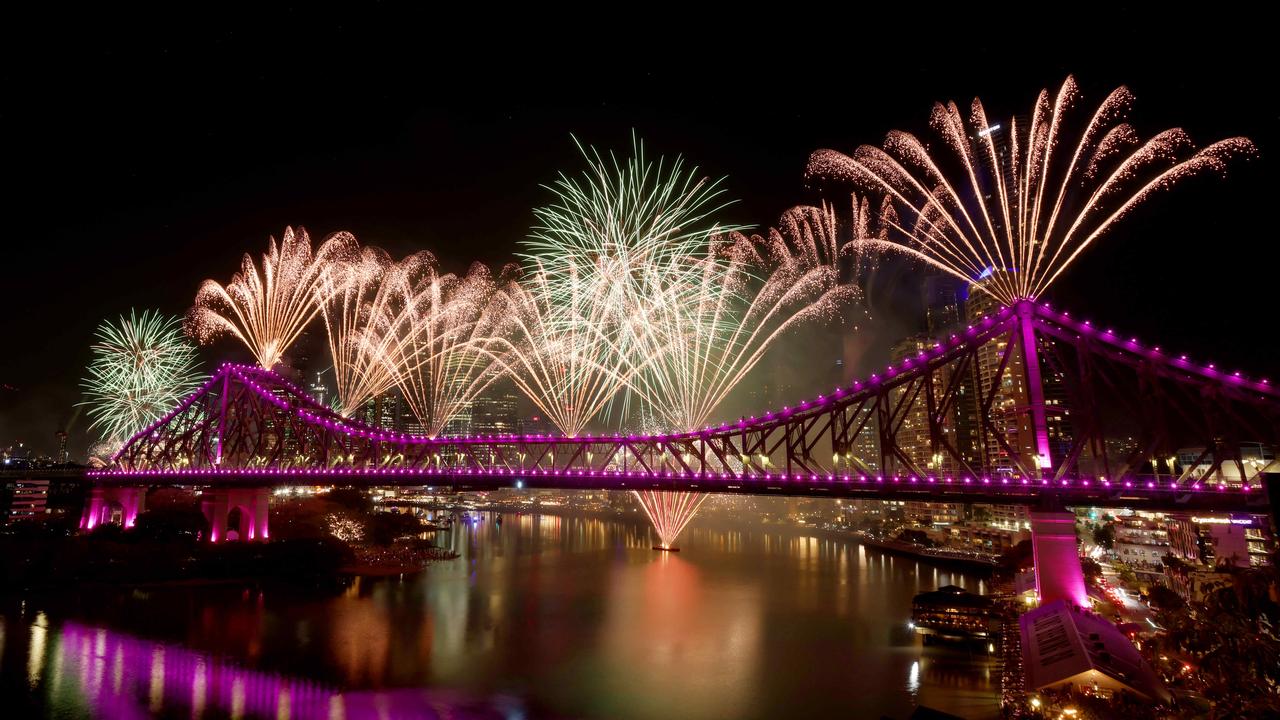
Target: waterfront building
1006,517
1066,647
985,538
28,498
952,613
1141,539
933,513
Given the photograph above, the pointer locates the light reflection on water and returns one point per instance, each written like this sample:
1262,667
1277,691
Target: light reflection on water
540,616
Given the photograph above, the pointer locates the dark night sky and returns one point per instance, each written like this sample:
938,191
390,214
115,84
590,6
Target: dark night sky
140,156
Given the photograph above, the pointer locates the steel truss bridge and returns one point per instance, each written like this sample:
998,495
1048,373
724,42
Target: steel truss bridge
248,427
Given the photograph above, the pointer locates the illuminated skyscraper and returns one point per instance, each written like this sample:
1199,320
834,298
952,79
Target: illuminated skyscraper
460,423
495,414
913,436
1010,412
865,449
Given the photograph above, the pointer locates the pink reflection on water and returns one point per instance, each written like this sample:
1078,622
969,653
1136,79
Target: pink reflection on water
121,676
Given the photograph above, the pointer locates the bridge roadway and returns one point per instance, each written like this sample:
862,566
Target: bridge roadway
1137,493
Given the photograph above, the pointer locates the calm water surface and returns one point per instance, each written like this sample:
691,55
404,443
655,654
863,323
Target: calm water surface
541,616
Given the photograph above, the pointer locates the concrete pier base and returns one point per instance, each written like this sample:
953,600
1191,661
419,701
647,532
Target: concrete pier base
218,504
113,506
1058,573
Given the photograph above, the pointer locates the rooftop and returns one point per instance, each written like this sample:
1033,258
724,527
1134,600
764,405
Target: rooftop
1062,644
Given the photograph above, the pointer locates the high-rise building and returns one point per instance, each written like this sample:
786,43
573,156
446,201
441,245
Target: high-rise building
1010,408
408,421
913,435
28,498
864,451
495,414
387,409
319,390
944,304
460,423
770,396
537,424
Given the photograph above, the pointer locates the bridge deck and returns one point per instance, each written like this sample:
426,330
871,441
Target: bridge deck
1150,494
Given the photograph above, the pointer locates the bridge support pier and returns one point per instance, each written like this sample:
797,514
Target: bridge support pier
217,505
113,505
1058,572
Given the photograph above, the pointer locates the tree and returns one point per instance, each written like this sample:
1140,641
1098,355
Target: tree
351,498
171,498
384,528
1163,598
302,518
1104,536
1090,568
1126,574
1231,637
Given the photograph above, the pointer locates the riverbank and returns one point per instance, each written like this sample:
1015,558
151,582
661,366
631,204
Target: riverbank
402,558
943,557
940,556
113,557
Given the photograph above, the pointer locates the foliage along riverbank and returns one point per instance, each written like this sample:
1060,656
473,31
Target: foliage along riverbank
315,541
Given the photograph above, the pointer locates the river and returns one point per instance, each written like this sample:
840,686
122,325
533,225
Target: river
540,616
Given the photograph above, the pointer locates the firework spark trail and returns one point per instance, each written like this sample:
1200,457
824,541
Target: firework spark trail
697,346
700,344
267,310
590,259
1017,202
355,293
440,333
669,512
608,227
142,366
555,348
634,290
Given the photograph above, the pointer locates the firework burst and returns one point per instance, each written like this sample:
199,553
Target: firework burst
557,348
669,512
268,309
701,334
433,338
1017,203
142,366
617,219
355,292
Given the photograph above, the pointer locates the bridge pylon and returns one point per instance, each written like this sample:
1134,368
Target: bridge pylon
108,505
219,504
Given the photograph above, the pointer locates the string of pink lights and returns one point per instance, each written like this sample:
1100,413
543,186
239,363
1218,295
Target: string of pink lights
454,472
